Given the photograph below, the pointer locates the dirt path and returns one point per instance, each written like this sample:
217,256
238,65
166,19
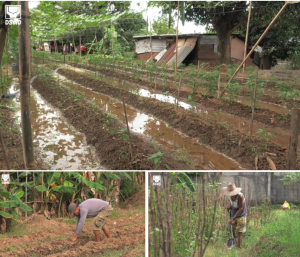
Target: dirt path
42,237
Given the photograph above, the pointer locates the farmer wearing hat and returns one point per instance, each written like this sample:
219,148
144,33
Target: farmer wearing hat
238,210
97,208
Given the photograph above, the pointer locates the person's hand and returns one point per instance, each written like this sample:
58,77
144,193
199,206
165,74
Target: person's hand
74,238
231,221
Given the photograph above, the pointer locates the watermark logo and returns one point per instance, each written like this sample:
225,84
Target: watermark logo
156,180
14,13
5,179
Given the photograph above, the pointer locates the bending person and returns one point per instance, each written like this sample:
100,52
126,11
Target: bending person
97,208
238,210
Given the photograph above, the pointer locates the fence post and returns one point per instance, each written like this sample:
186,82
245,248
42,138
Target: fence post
295,129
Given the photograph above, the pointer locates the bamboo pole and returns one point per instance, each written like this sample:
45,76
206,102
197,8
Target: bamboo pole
253,103
150,40
24,77
4,151
79,46
26,194
246,41
42,184
295,129
219,83
127,129
177,39
178,91
112,40
256,44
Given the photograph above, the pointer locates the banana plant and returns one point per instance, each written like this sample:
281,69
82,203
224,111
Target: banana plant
13,200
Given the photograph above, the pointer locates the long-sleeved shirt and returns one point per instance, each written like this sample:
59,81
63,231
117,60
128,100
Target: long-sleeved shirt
88,209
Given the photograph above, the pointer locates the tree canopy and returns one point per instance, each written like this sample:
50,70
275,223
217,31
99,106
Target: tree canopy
161,26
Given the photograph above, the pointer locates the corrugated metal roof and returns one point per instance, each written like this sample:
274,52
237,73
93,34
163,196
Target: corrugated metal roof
183,51
144,46
157,57
168,55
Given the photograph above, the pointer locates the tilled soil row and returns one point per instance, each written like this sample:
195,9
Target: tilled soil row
228,141
264,116
94,123
53,239
12,140
244,92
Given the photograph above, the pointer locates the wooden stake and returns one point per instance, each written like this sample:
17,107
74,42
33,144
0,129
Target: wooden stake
219,82
24,77
256,44
150,40
246,41
79,46
177,39
178,91
127,129
295,129
112,40
26,195
3,150
42,184
253,103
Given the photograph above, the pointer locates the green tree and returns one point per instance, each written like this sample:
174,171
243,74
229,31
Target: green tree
227,17
161,26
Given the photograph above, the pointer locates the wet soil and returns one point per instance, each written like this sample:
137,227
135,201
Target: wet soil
42,237
11,137
223,139
264,116
271,94
100,131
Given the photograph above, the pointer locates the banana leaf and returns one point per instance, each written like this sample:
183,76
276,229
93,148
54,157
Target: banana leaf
183,178
41,188
64,189
5,214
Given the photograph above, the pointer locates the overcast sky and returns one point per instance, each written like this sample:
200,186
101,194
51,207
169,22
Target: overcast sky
152,14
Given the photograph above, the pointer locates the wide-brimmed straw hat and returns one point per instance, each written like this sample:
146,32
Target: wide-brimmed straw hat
231,190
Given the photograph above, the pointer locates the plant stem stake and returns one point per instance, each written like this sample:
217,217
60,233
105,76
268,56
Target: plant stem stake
127,130
295,129
177,39
256,44
253,103
246,41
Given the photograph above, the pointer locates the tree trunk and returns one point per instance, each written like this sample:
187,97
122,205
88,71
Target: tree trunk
224,47
25,76
265,62
3,33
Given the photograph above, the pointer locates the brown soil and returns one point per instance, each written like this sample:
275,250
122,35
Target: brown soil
42,237
12,140
267,98
210,133
138,198
90,120
264,116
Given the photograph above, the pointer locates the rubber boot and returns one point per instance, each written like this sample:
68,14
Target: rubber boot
106,232
97,235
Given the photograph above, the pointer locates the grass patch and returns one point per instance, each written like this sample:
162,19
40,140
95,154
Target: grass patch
278,237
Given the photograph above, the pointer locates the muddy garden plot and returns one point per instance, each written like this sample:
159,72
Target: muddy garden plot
213,134
42,237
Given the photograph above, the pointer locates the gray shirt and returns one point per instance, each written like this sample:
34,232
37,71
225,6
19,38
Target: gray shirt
235,206
88,209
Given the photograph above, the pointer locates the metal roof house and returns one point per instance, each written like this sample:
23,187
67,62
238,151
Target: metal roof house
191,48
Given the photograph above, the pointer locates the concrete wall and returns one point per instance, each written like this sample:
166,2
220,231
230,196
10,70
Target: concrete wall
255,184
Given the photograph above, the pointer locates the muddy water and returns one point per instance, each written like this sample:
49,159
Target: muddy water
281,136
156,130
56,143
240,99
